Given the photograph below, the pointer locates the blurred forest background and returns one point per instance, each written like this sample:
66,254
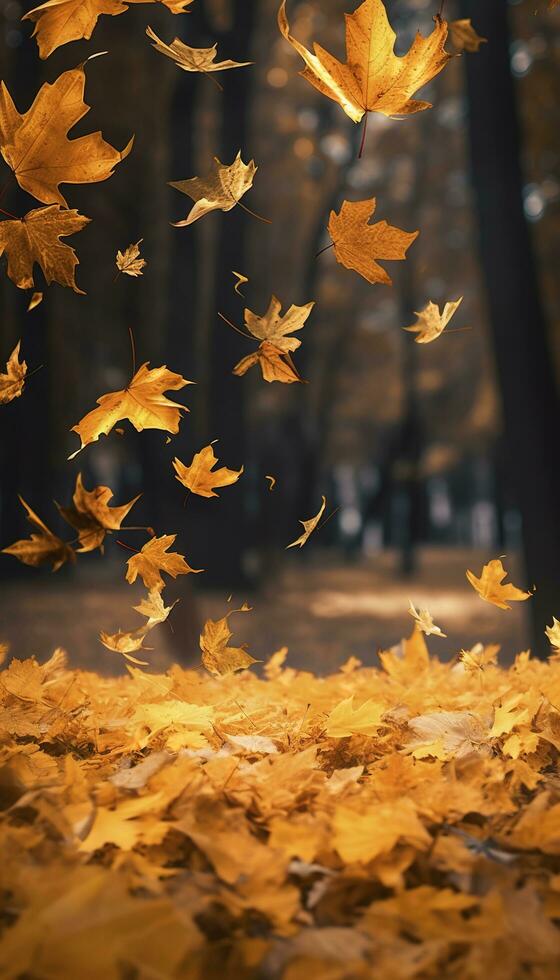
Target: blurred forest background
438,457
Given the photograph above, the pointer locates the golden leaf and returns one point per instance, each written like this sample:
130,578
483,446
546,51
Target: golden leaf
464,37
479,657
373,78
217,656
345,720
59,21
129,261
200,477
271,329
142,402
11,383
309,526
241,279
358,244
36,146
220,191
431,323
448,734
489,585
153,608
424,621
271,481
41,548
553,634
154,559
34,301
36,238
192,59
92,516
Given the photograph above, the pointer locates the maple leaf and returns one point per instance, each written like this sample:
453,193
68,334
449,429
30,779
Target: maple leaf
553,634
220,191
345,720
479,657
424,621
358,244
373,78
59,21
36,146
448,734
42,547
200,477
464,36
36,239
142,402
271,329
153,559
489,585
129,262
192,59
431,323
92,516
153,608
309,526
11,383
217,656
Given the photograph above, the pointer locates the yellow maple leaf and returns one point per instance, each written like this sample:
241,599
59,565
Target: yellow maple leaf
92,516
217,656
309,526
12,382
275,365
373,78
192,59
153,559
464,36
361,836
448,734
424,621
200,477
129,262
553,634
345,720
142,402
23,679
489,585
36,239
59,21
220,191
36,146
127,643
431,323
479,657
358,244
275,347
42,547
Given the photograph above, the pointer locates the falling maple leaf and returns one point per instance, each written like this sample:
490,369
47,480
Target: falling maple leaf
431,323
36,146
155,611
489,585
553,634
358,244
92,516
464,36
241,279
142,402
59,21
274,351
200,477
220,191
153,559
309,526
11,383
36,239
217,656
479,657
42,547
424,621
129,262
192,59
373,78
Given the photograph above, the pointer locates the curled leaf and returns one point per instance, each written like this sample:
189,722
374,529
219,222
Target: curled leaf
431,323
220,191
309,526
42,547
91,515
129,262
217,656
489,585
12,382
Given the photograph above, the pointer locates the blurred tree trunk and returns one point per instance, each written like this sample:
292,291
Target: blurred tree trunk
529,395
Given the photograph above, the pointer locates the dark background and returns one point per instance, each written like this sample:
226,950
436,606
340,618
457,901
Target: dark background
439,457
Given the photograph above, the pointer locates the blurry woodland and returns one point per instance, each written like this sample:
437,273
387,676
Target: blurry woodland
432,456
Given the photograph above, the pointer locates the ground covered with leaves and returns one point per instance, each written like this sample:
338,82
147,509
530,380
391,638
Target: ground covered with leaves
400,821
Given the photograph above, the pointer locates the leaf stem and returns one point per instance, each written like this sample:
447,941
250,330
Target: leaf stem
364,131
233,327
127,546
9,214
133,350
267,221
320,252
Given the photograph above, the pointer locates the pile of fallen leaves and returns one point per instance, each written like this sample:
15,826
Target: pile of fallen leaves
393,822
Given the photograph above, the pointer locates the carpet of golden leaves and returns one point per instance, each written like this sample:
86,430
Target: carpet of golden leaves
394,822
